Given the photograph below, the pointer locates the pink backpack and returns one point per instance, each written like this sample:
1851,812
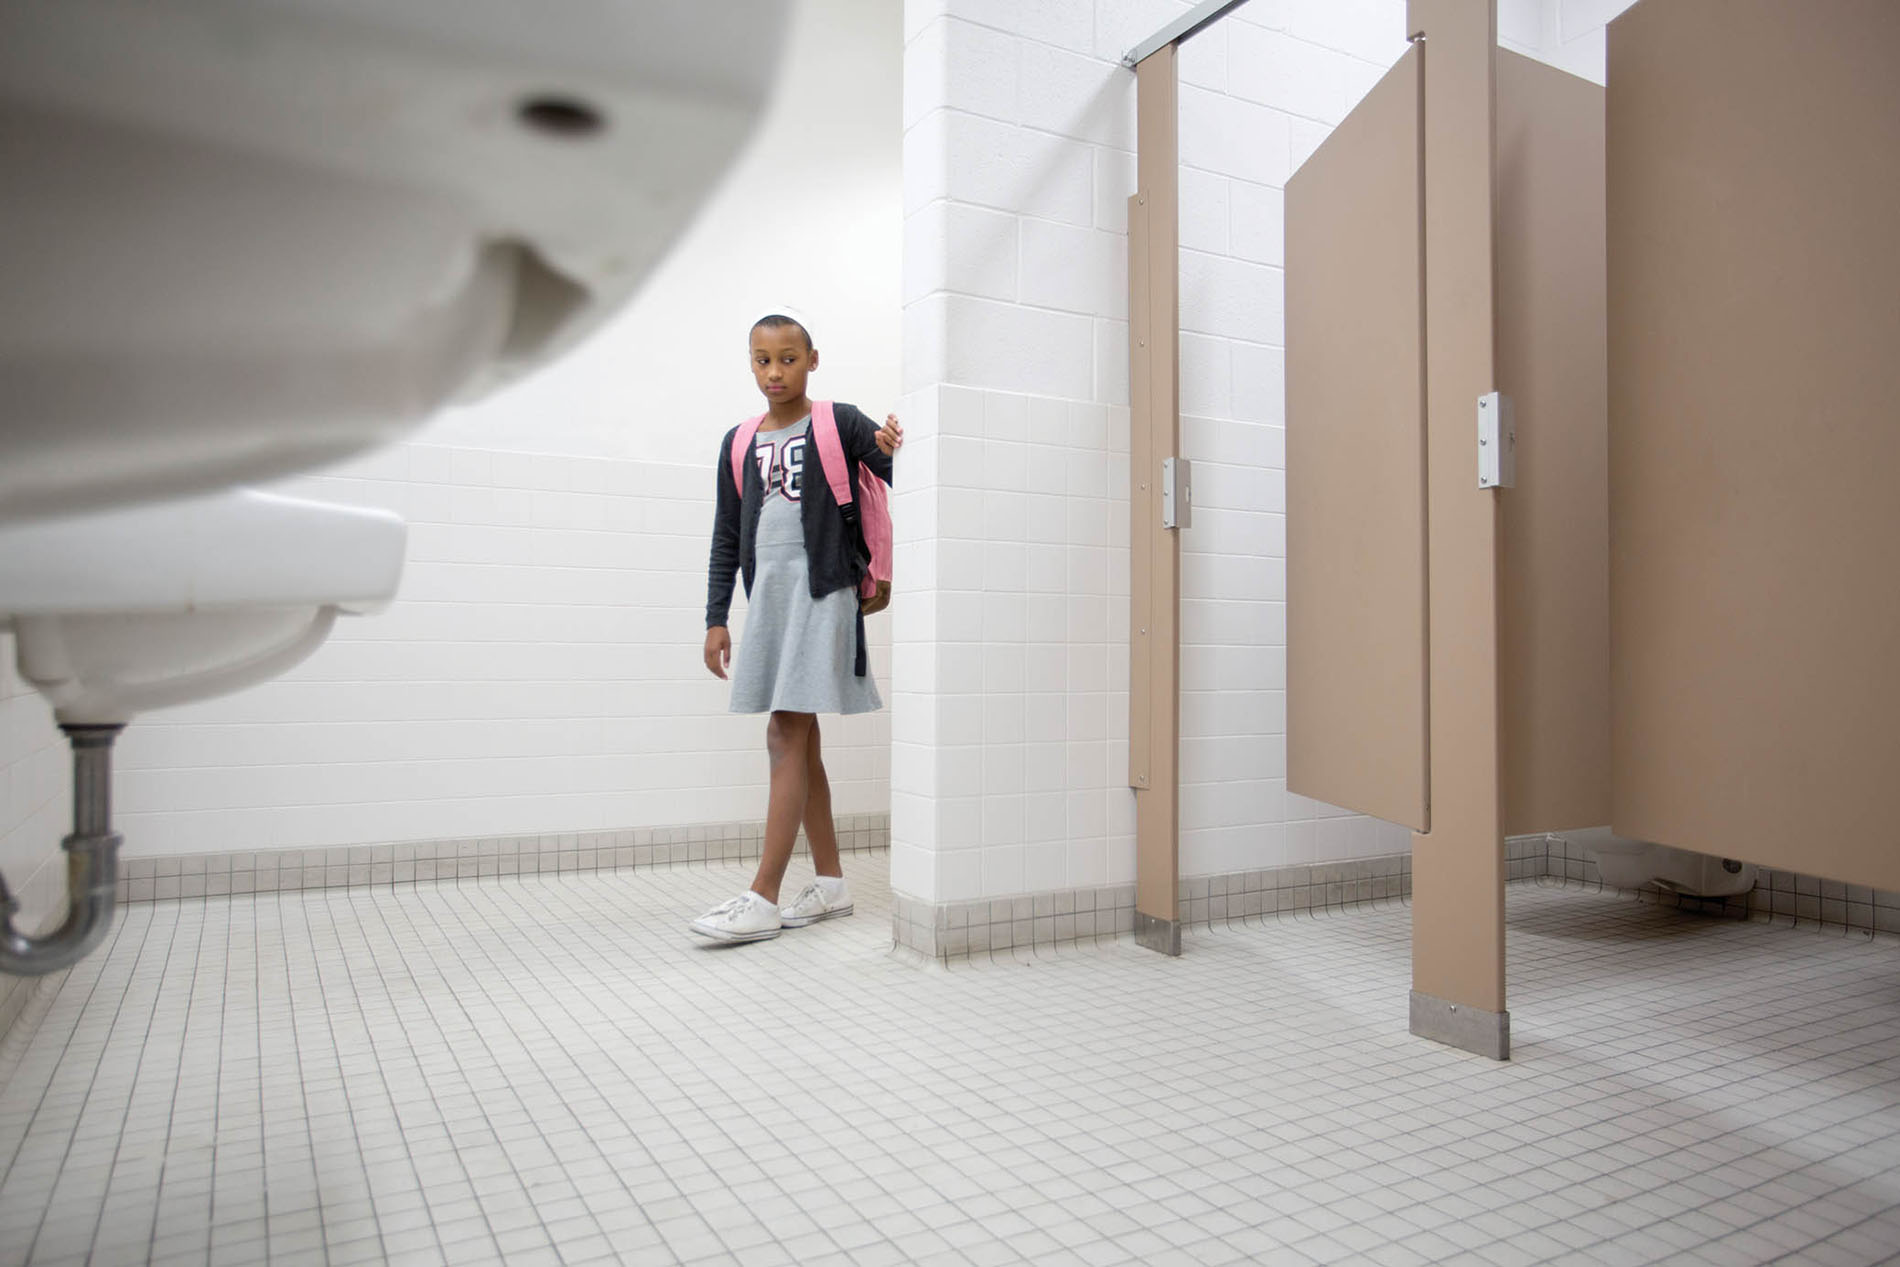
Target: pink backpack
873,516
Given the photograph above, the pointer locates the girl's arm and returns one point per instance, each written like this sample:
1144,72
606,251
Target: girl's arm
724,563
859,436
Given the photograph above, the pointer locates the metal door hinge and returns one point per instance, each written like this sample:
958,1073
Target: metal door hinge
1177,493
1497,441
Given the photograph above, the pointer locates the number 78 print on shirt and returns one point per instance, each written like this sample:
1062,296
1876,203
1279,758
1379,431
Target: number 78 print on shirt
782,467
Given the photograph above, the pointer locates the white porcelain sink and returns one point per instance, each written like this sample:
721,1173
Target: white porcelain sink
243,238
123,611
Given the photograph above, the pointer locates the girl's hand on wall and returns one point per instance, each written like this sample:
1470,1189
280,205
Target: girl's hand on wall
718,651
890,436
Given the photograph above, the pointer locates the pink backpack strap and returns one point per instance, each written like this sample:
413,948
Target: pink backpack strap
824,429
741,446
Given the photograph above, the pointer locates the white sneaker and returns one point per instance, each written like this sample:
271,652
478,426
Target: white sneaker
747,917
813,904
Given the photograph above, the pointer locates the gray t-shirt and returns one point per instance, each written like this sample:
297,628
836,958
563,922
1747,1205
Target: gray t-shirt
781,456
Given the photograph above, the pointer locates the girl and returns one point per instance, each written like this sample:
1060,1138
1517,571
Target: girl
804,645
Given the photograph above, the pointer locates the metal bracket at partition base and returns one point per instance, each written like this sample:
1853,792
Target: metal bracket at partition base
1469,1029
92,867
1153,933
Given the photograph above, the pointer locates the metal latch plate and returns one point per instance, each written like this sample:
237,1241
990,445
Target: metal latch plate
1497,441
1177,493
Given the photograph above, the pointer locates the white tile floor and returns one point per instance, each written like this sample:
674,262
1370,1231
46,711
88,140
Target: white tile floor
546,1070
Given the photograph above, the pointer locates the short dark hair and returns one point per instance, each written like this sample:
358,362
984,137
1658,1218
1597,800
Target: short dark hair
778,321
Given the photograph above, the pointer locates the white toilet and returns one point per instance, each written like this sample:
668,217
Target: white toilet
1630,864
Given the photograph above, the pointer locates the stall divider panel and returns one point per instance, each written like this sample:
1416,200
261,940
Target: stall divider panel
1754,370
1554,591
1356,645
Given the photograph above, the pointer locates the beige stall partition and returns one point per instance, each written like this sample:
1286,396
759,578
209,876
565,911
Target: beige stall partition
1458,869
1356,652
1554,587
1754,353
1154,606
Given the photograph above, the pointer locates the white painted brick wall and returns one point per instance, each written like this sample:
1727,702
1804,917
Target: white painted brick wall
540,672
1010,740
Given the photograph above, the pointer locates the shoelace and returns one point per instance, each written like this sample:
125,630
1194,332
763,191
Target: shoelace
728,908
809,891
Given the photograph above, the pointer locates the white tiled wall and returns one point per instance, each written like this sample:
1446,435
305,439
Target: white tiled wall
1008,741
541,672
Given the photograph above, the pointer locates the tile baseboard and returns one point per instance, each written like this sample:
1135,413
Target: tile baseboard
1802,900
946,930
160,878
952,930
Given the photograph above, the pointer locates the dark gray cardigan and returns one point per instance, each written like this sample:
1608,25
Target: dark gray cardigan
834,550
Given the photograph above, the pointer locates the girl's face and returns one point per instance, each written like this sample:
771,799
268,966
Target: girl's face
780,361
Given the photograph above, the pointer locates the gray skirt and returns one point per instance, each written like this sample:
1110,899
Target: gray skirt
797,654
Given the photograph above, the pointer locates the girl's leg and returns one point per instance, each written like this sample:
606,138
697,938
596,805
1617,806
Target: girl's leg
787,738
819,831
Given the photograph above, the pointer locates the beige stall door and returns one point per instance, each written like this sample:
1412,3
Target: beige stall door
1356,649
1754,304
1554,566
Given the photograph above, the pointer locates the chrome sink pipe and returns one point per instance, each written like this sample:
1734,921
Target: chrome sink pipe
92,866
